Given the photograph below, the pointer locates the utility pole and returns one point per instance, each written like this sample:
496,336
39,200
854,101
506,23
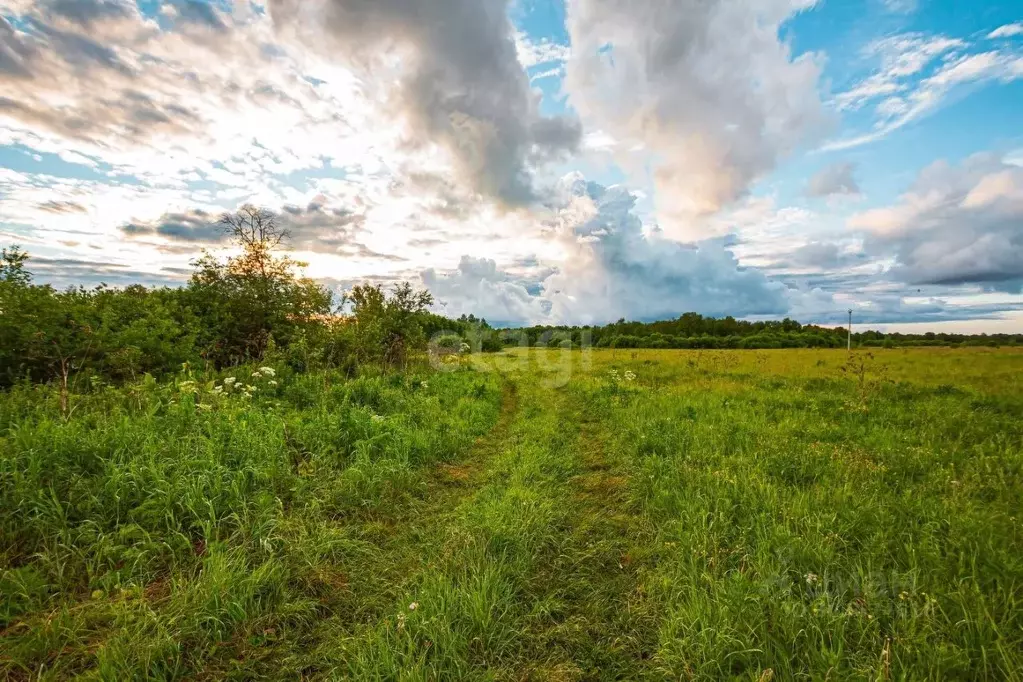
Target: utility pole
849,344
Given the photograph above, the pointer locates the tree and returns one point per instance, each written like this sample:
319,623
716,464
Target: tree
388,328
256,296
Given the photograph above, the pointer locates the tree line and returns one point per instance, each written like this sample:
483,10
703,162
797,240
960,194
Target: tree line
692,330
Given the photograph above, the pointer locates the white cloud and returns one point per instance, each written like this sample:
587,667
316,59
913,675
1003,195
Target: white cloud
956,225
707,91
1007,31
539,52
901,6
168,97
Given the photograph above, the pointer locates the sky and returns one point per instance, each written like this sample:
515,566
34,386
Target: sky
536,161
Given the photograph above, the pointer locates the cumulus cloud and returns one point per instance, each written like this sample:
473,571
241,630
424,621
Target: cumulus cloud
612,267
459,83
478,287
836,179
955,225
706,88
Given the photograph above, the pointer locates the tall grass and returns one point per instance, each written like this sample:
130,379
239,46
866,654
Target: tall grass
824,519
160,524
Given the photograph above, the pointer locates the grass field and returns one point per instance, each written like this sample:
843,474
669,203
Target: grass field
547,515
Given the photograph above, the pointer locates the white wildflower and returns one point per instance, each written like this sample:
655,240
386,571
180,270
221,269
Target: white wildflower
272,383
218,389
464,348
424,384
377,418
230,381
257,375
630,376
268,371
811,578
413,606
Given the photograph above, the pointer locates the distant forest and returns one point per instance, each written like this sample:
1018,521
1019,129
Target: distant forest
693,330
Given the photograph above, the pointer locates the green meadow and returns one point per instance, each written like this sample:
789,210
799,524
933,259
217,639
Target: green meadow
524,515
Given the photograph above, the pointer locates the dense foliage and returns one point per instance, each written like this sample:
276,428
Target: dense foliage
166,528
239,309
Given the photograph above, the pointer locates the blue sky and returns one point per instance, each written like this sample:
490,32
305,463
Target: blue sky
532,161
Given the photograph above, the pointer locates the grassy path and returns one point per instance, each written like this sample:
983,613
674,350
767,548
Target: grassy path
528,564
379,558
523,560
607,630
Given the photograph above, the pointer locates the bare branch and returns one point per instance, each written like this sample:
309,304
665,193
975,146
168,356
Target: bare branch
254,226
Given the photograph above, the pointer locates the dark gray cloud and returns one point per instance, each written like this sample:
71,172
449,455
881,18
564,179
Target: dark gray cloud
821,256
836,179
311,228
195,226
461,84
956,225
66,272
